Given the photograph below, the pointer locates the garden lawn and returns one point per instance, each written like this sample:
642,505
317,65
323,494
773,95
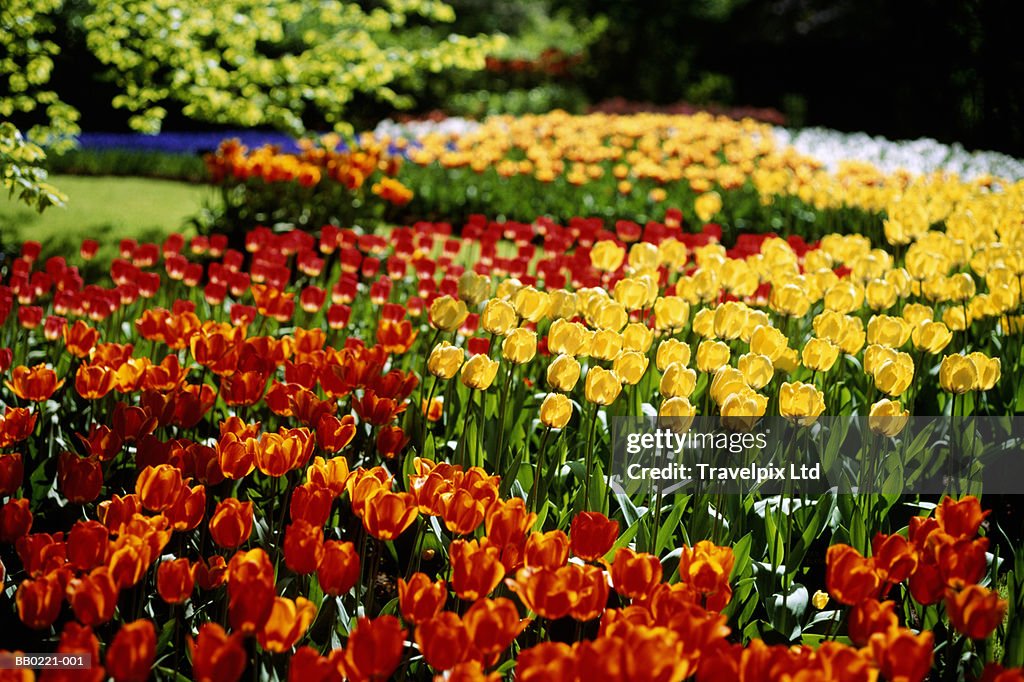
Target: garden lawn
106,209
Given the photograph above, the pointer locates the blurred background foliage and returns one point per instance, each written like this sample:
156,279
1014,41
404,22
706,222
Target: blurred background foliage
948,69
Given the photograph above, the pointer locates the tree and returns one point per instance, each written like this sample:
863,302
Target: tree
287,64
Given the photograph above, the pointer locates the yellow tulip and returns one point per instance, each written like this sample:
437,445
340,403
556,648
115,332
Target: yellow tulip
801,403
630,365
757,369
445,360
819,355
479,371
672,350
520,346
677,381
711,355
602,386
447,313
888,418
563,372
607,256
555,411
499,317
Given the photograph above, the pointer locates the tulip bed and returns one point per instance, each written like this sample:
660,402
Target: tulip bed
344,454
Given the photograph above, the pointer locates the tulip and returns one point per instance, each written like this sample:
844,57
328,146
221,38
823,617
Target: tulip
530,304
630,366
474,288
287,623
819,355
707,205
894,376
591,535
479,372
757,369
711,355
338,571
12,472
607,256
420,599
447,314
444,641
988,369
931,337
158,487
499,317
492,625
555,411
563,373
565,337
519,346
389,514
726,381
672,350
34,384
231,523
850,577
801,403
975,611
742,410
957,374
869,617
39,601
476,568
216,656
602,386
303,546
445,360
175,580
374,648
94,597
888,418
902,655
635,575
131,653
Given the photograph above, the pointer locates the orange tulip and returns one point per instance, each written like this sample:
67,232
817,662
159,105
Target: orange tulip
78,639
131,653
421,599
374,649
492,625
443,640
231,523
894,557
389,514
461,512
546,662
16,424
217,657
902,655
187,511
330,473
211,573
12,472
39,601
334,433
79,479
635,575
391,440
158,487
281,452
311,502
850,577
87,545
175,580
93,597
236,455
132,423
706,568
476,568
975,611
80,338
547,550
250,590
508,522
870,617
591,535
303,546
287,623
375,409
338,571
547,592
118,510
93,382
243,388
962,518
34,384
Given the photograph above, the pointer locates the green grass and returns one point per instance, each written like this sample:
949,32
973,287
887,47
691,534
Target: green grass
106,209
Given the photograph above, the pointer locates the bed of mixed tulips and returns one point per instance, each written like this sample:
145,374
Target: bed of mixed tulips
339,454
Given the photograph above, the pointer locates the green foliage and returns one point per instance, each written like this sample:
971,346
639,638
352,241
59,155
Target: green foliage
280,63
27,50
21,170
129,162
